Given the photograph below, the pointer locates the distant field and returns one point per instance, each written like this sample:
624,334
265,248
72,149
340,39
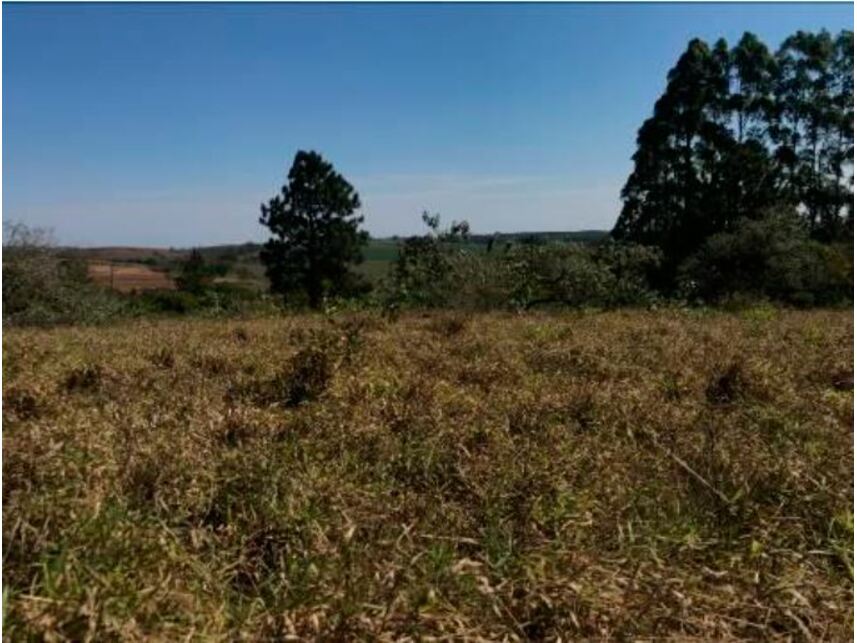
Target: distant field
243,259
129,277
620,476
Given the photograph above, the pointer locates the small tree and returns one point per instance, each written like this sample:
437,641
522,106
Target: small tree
424,268
316,235
194,275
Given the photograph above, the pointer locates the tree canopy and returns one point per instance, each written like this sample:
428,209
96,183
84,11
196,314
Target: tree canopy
738,131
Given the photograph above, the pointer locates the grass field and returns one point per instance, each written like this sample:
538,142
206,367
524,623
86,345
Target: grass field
604,476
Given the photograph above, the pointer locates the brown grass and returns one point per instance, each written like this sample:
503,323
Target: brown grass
590,476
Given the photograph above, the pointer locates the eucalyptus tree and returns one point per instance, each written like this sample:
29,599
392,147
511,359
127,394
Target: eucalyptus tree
739,131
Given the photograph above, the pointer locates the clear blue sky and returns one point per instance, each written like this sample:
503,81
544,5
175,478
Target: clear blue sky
169,124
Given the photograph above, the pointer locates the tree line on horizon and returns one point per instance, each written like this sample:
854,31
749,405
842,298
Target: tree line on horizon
742,187
742,179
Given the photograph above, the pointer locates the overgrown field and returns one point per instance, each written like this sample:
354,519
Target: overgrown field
605,476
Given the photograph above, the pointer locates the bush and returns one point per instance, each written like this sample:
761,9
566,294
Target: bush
227,298
577,275
40,287
440,270
213,300
425,271
770,258
168,301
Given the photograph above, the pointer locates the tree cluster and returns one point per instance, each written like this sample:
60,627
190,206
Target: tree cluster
739,131
742,184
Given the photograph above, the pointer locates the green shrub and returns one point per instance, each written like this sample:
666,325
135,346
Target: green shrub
576,275
425,272
439,270
212,300
167,301
228,298
771,258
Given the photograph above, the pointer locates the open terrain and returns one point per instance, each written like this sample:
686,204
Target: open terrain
146,268
618,475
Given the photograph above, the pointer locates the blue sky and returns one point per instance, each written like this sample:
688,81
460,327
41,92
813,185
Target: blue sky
168,124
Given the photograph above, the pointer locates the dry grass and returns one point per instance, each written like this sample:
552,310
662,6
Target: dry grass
608,476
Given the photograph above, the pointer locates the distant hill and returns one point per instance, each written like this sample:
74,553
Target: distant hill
578,236
379,247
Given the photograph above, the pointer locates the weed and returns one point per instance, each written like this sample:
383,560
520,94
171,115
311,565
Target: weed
84,378
449,325
211,364
725,386
308,376
22,403
842,380
163,357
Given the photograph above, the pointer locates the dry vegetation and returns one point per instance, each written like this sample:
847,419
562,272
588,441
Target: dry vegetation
602,476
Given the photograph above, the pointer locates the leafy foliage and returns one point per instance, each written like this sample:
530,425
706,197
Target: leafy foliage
769,258
574,275
440,269
425,269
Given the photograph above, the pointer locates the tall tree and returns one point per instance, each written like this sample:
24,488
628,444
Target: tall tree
748,177
839,152
814,128
316,236
668,197
737,132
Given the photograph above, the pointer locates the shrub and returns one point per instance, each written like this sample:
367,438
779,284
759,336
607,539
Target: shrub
577,275
40,287
167,301
772,257
440,270
425,271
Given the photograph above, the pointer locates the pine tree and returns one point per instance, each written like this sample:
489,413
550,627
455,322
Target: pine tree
194,275
316,235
